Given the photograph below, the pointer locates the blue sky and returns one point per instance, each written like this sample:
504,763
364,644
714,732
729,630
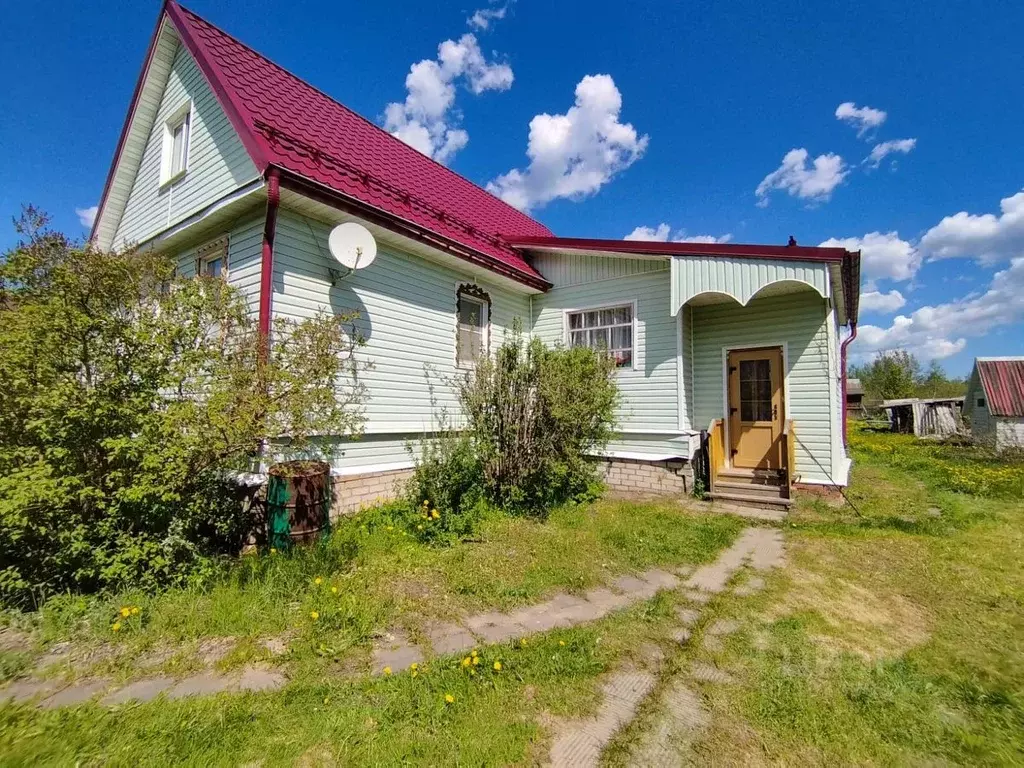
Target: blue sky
714,98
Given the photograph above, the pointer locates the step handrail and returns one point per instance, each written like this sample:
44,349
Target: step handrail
716,451
789,452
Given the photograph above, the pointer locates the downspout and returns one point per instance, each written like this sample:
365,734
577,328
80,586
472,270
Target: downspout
842,365
267,261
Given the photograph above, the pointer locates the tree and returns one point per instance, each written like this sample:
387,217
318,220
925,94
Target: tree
897,374
129,396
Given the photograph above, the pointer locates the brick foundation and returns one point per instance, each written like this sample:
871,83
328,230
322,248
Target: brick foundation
661,478
355,492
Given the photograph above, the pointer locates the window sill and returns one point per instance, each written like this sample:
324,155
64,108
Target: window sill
175,178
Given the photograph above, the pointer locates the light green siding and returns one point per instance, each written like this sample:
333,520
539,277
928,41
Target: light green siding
650,390
217,161
563,270
740,278
800,321
245,251
406,309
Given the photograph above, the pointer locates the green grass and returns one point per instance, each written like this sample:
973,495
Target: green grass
893,636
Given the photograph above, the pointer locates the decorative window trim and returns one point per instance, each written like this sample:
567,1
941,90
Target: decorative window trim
480,297
210,252
181,116
634,363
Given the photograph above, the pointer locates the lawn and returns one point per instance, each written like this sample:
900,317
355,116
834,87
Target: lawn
895,635
370,577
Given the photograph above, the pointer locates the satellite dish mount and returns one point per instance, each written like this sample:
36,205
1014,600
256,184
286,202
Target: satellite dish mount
352,247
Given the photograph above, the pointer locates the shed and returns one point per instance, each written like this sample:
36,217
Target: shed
855,397
995,401
931,417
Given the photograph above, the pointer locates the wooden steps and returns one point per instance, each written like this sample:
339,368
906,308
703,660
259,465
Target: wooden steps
752,488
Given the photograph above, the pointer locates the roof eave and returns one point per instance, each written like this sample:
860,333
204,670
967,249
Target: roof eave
788,252
322,193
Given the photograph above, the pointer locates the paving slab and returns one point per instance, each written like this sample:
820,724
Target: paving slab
750,586
708,673
140,690
395,658
27,690
203,684
635,587
77,693
679,723
660,579
768,551
606,600
688,616
450,638
257,679
681,635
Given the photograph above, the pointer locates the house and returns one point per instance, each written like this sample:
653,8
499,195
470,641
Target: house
925,417
995,401
241,169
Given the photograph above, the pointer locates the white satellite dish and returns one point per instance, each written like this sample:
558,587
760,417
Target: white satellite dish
352,246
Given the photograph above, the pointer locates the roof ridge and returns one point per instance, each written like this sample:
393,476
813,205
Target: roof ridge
352,112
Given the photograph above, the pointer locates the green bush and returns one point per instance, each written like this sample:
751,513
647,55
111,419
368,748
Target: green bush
130,394
532,417
445,498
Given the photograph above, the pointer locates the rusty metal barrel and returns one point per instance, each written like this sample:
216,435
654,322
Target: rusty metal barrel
298,502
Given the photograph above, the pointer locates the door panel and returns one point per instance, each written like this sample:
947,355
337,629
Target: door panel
756,407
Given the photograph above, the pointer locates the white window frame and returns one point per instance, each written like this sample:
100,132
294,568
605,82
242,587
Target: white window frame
632,305
181,116
485,316
211,251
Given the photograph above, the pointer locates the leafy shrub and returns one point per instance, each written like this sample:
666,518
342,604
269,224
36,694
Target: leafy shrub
129,395
445,498
532,415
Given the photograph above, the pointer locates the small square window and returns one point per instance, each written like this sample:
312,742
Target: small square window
177,137
981,402
212,259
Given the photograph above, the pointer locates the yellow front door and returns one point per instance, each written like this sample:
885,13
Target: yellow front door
756,408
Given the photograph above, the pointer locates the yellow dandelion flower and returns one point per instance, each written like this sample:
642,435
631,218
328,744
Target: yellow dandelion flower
561,642
419,527
126,611
449,698
435,514
327,699
426,503
314,615
522,642
116,626
334,590
414,673
414,665
273,551
473,652
497,666
135,610
467,661
476,659
318,581
386,670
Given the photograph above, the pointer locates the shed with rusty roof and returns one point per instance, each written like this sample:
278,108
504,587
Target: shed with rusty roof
995,401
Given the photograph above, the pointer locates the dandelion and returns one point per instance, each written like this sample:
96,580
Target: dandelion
327,699
476,660
426,503
386,670
318,581
334,590
273,551
314,615
467,661
522,642
449,699
116,626
414,673
435,514
419,527
414,666
497,666
135,610
126,611
561,642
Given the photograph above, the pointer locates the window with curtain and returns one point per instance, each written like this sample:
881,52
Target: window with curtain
472,341
609,329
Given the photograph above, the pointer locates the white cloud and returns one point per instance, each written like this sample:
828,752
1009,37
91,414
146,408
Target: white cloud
483,17
575,154
880,151
933,333
986,237
814,183
864,118
424,120
663,234
87,215
882,256
887,303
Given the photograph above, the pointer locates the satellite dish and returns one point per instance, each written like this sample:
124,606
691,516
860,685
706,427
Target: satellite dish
352,245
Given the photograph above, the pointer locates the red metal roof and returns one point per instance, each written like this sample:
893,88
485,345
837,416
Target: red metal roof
1002,378
286,123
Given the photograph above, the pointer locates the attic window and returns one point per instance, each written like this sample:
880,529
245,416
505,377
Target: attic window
177,136
981,402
